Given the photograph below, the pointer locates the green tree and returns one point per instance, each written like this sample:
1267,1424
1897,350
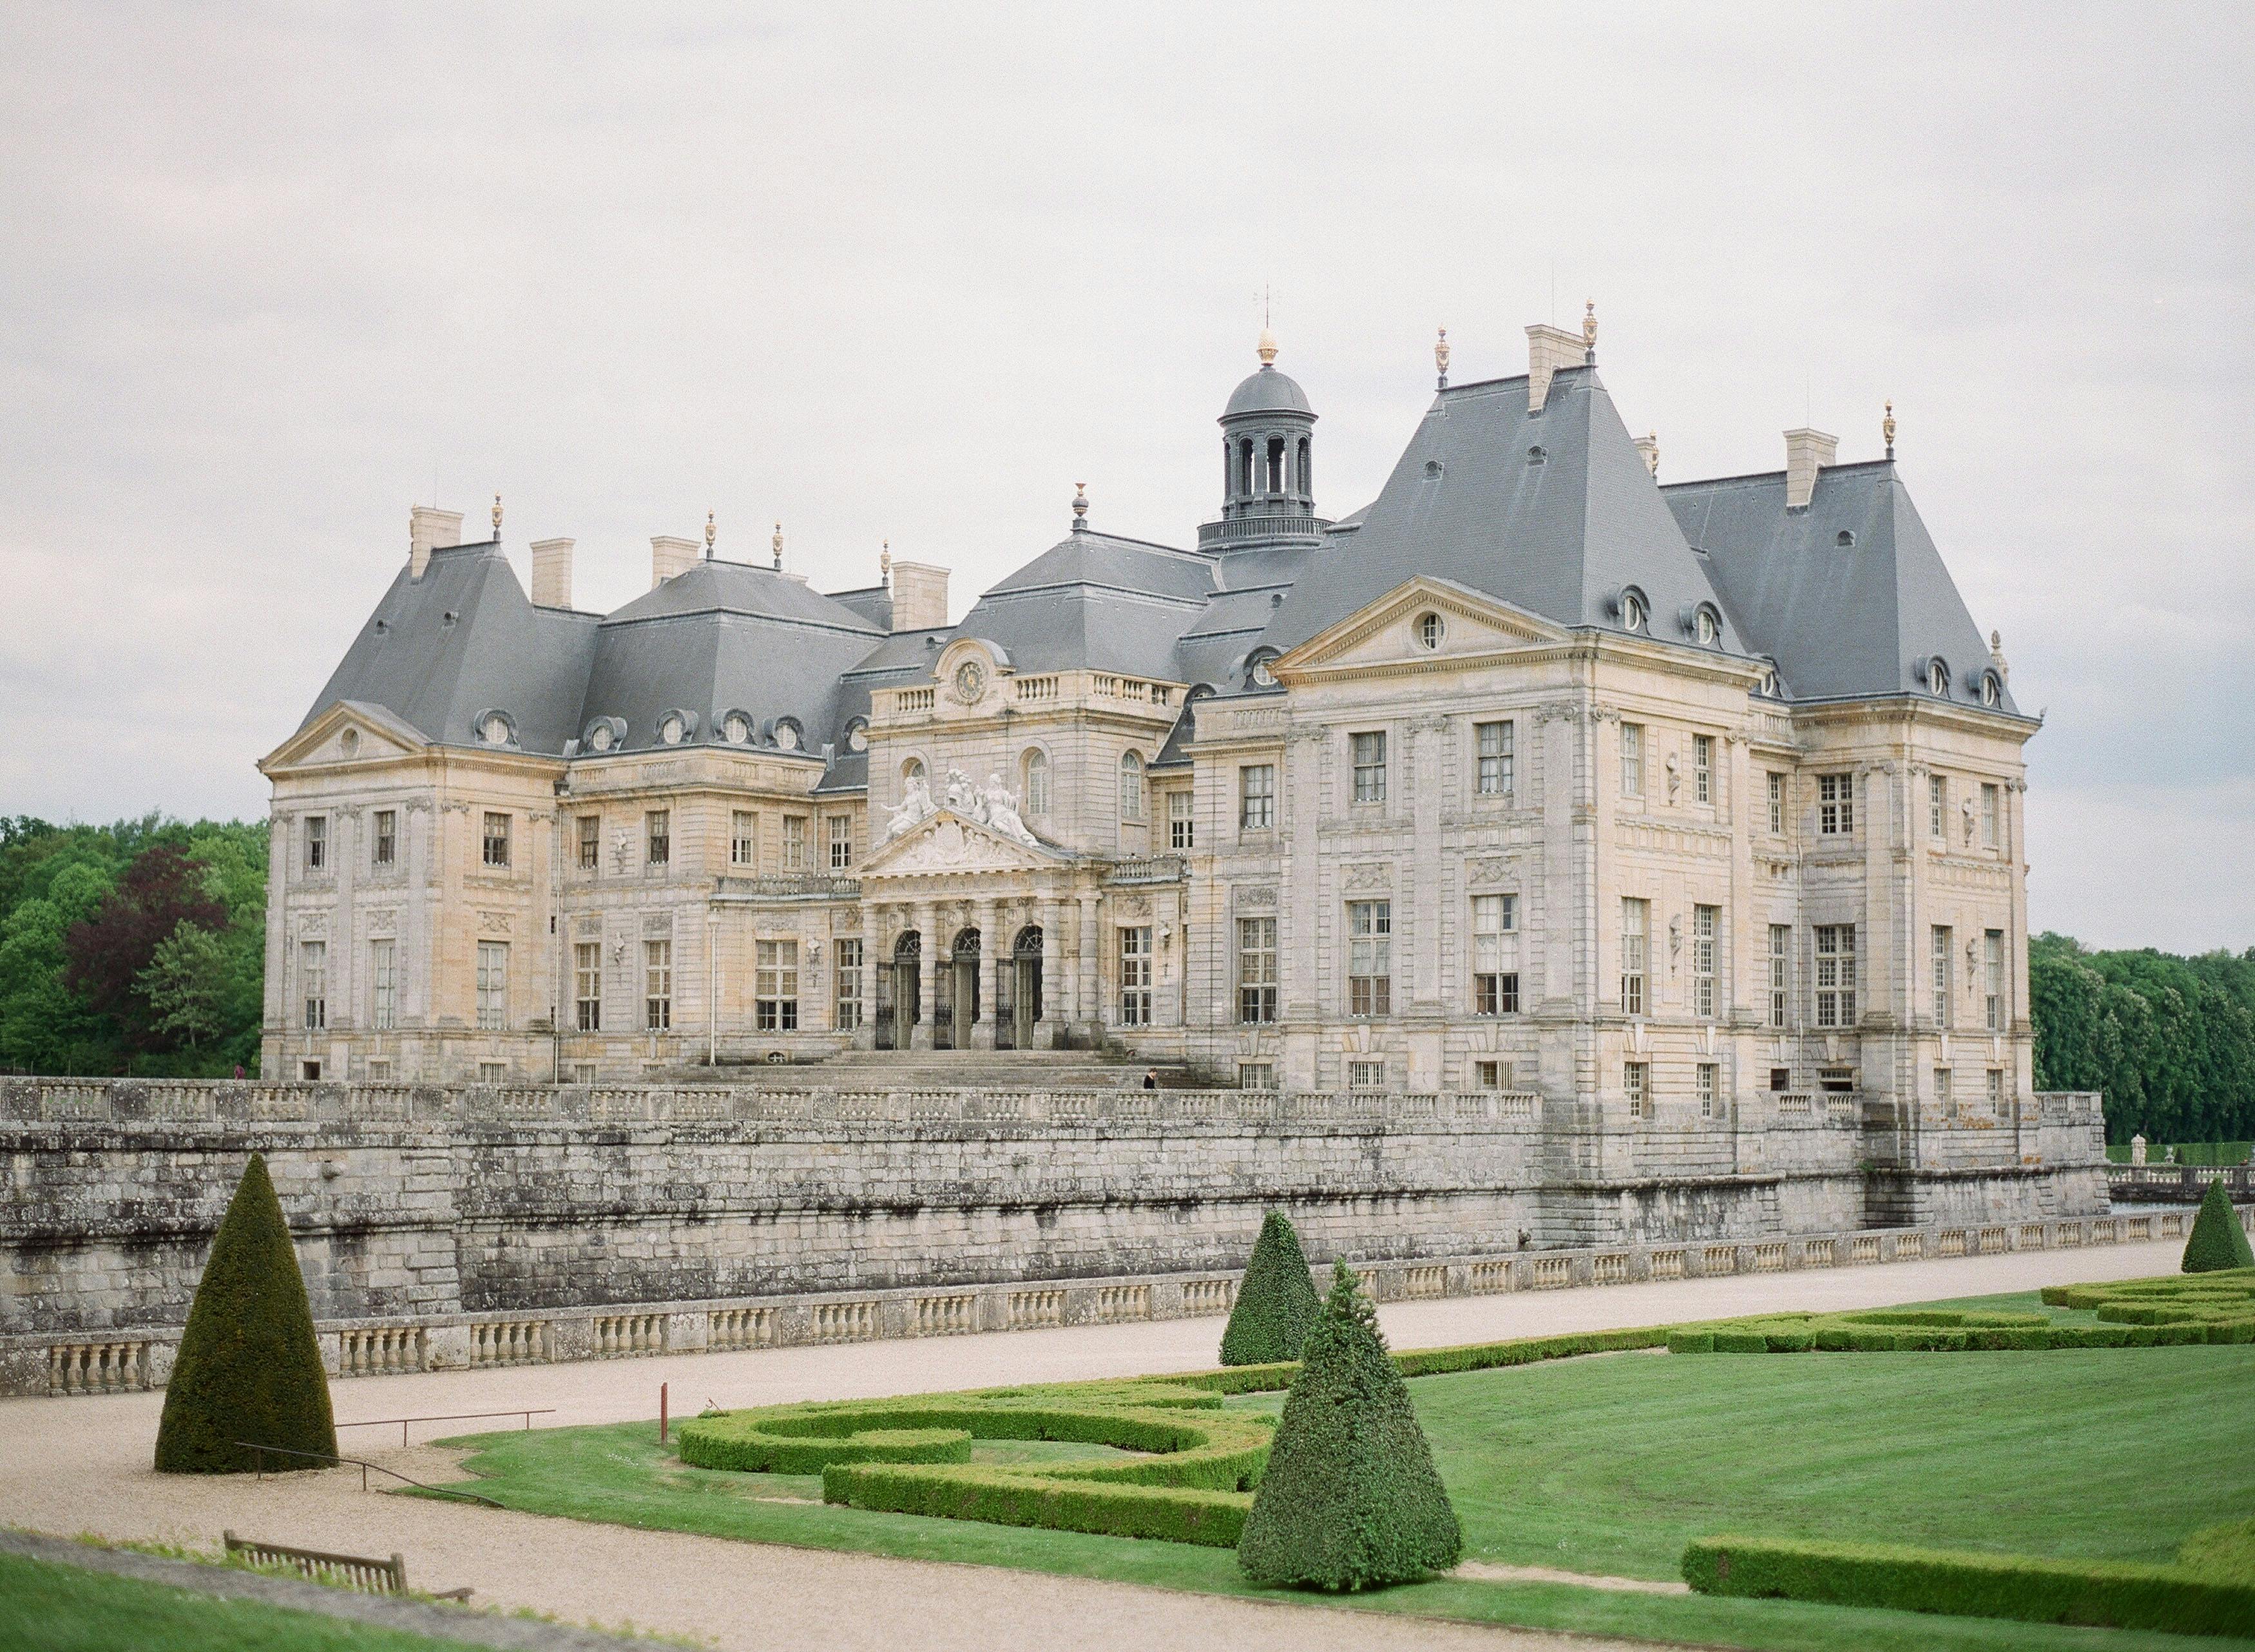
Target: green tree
2217,1242
186,986
1351,1498
1276,1301
249,1368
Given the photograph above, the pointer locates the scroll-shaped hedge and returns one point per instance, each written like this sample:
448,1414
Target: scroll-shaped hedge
2141,1313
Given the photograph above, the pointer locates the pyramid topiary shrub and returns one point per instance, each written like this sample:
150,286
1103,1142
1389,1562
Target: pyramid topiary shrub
1275,1303
248,1367
2217,1241
1351,1498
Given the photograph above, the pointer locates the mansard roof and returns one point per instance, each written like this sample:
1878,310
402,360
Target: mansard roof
1095,602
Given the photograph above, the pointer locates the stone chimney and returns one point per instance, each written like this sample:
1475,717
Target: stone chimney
919,597
670,554
430,528
551,574
1549,348
1807,452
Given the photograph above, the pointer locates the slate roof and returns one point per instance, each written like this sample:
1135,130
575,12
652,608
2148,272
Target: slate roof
1095,602
1267,392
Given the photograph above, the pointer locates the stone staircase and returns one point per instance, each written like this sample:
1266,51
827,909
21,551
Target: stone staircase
953,1069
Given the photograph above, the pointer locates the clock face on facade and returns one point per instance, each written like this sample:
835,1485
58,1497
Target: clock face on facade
970,681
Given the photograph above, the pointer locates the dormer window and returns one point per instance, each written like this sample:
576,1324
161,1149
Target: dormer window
788,734
857,734
1937,676
604,733
1429,631
1262,676
1634,611
671,728
495,729
1707,628
1992,691
736,729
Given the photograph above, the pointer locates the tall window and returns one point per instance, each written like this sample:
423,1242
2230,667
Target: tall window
1370,958
743,838
842,843
1703,767
1943,1085
794,843
1492,742
1636,1085
383,849
314,983
1131,786
493,985
1135,976
1705,922
1037,782
1937,807
1631,759
1836,805
1944,938
1181,828
1705,1080
1636,944
658,824
657,985
1997,1108
591,842
1991,835
774,987
1992,978
1835,975
317,842
1369,753
1777,805
845,992
1780,974
495,851
383,985
1495,954
1256,969
1256,796
587,984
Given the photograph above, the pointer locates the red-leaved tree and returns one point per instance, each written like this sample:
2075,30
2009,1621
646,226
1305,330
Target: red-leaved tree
106,954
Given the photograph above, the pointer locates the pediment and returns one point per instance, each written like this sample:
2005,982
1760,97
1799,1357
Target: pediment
947,842
348,731
1387,633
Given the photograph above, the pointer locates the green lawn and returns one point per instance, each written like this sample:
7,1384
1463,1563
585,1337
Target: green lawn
52,1608
1610,1464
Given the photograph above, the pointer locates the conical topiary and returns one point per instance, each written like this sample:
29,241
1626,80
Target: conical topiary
248,1367
1275,1302
2217,1241
1351,1498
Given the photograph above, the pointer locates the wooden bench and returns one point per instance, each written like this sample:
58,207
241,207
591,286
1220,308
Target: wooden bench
353,1572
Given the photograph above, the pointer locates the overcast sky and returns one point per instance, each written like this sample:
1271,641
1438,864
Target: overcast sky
267,277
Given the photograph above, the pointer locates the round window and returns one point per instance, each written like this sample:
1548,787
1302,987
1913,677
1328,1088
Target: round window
348,742
1937,677
1429,630
497,730
1632,611
1262,675
736,729
1708,631
857,735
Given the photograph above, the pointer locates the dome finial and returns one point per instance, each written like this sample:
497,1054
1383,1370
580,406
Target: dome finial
1590,331
885,564
1888,427
1441,356
777,543
711,533
496,517
1266,348
1079,507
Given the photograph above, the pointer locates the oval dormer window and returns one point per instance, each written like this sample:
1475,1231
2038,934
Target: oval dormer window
348,742
494,728
1992,691
1262,675
1430,630
1706,627
671,728
787,734
857,735
1767,682
599,738
1937,676
1632,611
736,729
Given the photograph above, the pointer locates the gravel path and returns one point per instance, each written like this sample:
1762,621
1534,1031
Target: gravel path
82,1465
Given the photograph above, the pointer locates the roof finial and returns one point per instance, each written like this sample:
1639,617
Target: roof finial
1079,507
1441,356
1266,348
885,564
1590,331
1888,427
1996,654
1651,446
496,518
777,544
711,533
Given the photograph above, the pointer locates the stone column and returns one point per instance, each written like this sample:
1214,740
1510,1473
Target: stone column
1053,987
982,1030
1092,1006
865,1026
927,927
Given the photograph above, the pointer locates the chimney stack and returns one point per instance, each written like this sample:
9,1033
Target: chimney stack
1647,446
919,597
1549,348
430,528
551,574
1807,452
670,554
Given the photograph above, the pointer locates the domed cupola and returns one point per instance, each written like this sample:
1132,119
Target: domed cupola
1267,449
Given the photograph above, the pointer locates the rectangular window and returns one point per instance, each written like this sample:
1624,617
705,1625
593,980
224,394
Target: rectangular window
1704,1076
1131,787
1370,958
1992,978
1256,793
382,985
657,986
1494,743
1836,805
1703,767
1777,805
1488,1075
1135,976
1181,828
383,849
1256,969
492,1072
1366,1075
1632,742
1991,833
1706,922
587,984
794,843
591,842
743,839
845,955
313,983
583,1072
496,851
1370,767
310,1070
1835,975
774,987
842,843
317,842
379,1070
1256,1075
658,829
1636,920
1937,807
1636,1084
1997,1106
1942,1086
1495,954
1780,974
1781,1079
1837,1081
493,985
1942,937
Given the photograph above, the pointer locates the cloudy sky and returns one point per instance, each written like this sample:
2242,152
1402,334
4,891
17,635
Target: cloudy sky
267,277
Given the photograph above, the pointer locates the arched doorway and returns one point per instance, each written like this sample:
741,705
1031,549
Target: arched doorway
900,994
955,1005
1023,981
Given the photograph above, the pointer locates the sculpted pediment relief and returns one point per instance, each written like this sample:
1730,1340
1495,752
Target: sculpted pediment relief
947,842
